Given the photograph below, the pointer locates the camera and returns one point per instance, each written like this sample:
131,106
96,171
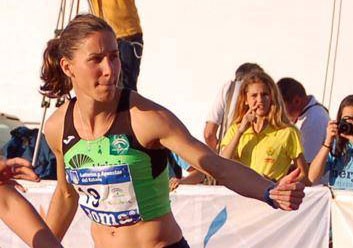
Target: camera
345,127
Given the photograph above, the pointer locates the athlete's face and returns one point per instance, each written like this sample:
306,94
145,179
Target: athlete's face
258,97
95,67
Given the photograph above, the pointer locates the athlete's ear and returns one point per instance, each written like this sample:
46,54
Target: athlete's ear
66,66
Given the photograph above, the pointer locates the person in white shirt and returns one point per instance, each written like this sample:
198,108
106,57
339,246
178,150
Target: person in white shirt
222,111
309,116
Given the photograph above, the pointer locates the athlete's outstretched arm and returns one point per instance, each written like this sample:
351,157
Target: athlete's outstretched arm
19,215
171,133
64,202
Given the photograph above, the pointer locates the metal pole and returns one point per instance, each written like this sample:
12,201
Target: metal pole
45,105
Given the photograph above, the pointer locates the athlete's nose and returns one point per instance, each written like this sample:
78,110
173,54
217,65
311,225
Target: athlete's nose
107,66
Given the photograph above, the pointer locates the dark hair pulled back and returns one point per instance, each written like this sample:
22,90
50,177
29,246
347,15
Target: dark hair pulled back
56,83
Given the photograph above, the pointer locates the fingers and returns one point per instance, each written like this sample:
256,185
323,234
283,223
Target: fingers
292,177
293,190
332,130
288,196
288,206
173,183
250,115
297,186
25,174
18,162
252,111
21,169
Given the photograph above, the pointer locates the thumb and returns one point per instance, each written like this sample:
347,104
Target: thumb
291,177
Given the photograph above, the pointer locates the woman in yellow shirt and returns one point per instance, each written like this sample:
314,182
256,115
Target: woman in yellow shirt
261,135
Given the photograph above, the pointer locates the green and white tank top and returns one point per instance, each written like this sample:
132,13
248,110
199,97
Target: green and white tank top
119,181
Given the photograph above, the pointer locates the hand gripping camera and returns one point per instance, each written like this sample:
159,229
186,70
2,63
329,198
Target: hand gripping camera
345,127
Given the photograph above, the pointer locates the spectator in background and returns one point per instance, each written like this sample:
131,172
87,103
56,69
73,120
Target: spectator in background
308,115
221,114
175,179
336,153
17,213
261,135
123,17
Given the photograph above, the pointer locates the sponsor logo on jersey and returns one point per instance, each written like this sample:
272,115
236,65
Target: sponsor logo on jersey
68,139
99,175
79,160
119,144
112,218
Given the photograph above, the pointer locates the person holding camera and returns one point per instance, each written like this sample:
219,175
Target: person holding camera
336,153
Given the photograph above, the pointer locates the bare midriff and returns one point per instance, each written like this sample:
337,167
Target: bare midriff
156,233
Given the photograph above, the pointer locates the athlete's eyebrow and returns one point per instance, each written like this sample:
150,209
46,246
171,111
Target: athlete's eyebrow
103,53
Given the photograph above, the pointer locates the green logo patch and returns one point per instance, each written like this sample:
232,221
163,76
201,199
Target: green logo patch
119,144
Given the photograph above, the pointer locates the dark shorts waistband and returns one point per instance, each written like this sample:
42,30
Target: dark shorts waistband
180,244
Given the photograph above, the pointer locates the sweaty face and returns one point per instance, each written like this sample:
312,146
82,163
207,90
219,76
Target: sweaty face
258,96
96,67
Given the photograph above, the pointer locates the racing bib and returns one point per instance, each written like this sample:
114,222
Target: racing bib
107,195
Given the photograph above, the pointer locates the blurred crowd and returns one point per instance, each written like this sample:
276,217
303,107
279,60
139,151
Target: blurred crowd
276,127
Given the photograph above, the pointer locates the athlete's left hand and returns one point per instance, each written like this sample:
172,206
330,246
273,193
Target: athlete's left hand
289,192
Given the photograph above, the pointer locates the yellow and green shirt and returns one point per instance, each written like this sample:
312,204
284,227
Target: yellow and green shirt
269,152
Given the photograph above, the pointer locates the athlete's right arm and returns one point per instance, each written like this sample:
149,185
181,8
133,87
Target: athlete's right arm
64,202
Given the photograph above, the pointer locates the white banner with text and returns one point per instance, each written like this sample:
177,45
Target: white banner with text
214,217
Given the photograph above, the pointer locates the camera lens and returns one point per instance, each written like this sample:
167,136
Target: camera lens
345,127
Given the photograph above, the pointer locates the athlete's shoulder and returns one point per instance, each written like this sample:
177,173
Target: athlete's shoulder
142,106
155,118
140,101
53,128
57,116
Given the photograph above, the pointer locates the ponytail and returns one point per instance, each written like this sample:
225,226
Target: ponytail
56,83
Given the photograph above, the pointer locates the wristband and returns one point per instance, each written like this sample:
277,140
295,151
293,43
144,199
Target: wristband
267,198
324,145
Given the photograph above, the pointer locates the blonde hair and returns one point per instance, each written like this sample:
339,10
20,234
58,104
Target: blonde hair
277,115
